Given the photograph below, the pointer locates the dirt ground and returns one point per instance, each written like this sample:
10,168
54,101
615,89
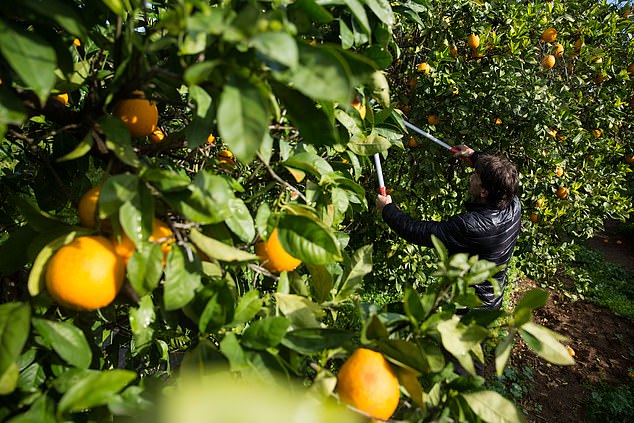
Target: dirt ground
602,343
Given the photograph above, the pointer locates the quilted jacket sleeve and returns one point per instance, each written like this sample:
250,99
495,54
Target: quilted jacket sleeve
450,232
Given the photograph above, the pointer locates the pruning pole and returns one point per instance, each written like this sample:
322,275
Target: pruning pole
379,173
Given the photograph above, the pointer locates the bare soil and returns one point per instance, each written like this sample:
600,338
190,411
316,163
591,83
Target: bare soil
602,343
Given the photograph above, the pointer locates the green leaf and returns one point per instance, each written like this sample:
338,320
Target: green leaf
315,12
181,279
205,201
67,340
404,353
141,320
118,140
546,343
321,282
115,191
277,46
117,6
249,305
415,309
503,352
301,311
493,407
243,118
94,390
219,250
380,88
308,240
9,379
167,180
368,146
14,331
357,9
360,265
533,299
145,268
322,74
265,333
459,340
42,410
240,221
219,308
232,350
314,340
61,12
382,10
200,72
312,122
198,130
309,162
36,282
82,148
30,56
12,111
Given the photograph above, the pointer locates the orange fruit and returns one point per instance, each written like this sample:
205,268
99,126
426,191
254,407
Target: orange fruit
534,217
62,98
413,82
596,133
559,171
630,69
606,241
571,352
85,274
367,382
453,50
562,192
618,242
137,113
558,49
88,207
358,104
549,35
629,158
552,133
211,139
160,233
498,121
424,67
578,44
157,136
226,157
539,203
273,256
412,143
548,61
476,54
77,42
433,120
473,41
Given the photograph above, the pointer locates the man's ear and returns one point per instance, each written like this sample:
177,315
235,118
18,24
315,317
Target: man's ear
484,194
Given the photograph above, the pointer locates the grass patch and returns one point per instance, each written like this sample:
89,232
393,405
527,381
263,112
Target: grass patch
612,403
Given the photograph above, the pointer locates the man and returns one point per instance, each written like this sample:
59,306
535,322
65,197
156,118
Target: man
489,228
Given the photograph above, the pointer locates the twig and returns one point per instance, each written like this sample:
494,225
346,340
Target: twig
280,180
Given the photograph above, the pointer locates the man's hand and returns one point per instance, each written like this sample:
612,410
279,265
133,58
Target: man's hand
463,151
382,201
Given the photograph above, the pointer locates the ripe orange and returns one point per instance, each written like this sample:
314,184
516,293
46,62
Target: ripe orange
424,67
562,192
473,41
596,133
559,171
596,60
77,42
453,50
539,203
62,98
498,121
548,61
476,54
571,352
578,44
630,69
157,136
273,256
552,133
549,35
360,106
433,120
211,139
88,207
629,158
534,217
85,274
160,232
226,157
367,382
558,49
139,114
412,143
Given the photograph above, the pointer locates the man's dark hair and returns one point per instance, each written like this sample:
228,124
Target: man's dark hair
499,177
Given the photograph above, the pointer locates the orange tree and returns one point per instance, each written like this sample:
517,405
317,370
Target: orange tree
568,127
182,135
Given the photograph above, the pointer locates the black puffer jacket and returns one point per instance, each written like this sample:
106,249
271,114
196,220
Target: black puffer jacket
481,230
